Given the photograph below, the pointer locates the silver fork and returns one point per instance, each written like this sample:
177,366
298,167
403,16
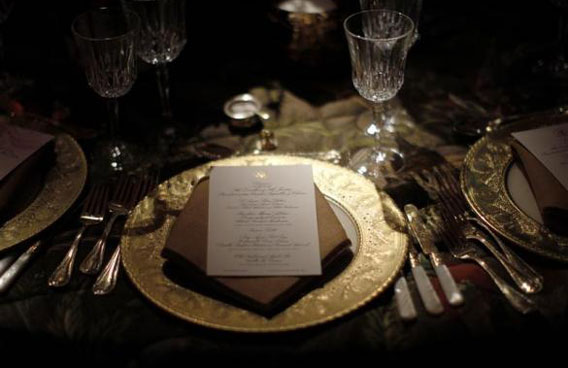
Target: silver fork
526,278
93,261
453,236
106,281
93,213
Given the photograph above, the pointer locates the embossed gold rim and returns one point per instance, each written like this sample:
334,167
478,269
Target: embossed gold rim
483,181
380,256
63,185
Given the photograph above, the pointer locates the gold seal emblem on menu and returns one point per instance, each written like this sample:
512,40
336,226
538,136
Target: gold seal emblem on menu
260,175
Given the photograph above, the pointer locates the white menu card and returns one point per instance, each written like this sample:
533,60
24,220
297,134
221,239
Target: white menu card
16,145
550,146
262,222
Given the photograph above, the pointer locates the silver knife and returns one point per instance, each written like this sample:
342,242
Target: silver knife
6,261
424,239
404,303
425,289
10,275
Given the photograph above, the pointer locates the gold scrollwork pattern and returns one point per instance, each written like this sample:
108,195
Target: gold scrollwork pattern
63,185
381,251
483,181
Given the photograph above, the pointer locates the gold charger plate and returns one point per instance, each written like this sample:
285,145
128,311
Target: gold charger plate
63,185
484,183
381,251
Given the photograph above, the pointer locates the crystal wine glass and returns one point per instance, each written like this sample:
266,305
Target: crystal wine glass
378,44
106,40
162,38
410,8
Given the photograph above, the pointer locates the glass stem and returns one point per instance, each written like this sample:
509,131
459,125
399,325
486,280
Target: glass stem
112,107
380,120
164,89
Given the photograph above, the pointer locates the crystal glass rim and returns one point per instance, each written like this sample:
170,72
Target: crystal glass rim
376,11
129,13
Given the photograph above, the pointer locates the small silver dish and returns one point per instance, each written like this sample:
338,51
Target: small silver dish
245,110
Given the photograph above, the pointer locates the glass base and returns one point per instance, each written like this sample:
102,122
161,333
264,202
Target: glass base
169,133
377,165
112,156
370,128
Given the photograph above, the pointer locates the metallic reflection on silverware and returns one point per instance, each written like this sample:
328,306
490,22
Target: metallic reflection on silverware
93,261
443,184
92,214
6,261
106,281
524,276
404,303
11,274
429,296
417,230
453,237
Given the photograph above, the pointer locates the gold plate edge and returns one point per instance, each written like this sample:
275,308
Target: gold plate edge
504,165
81,181
401,238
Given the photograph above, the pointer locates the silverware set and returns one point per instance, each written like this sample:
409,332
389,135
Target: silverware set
128,191
92,214
466,237
428,294
107,279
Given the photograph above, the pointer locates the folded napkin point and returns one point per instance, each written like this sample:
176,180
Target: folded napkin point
551,196
186,257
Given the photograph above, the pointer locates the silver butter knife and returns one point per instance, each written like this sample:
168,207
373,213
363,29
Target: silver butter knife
425,289
426,242
404,302
9,276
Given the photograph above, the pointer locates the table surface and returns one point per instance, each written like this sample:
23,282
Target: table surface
472,61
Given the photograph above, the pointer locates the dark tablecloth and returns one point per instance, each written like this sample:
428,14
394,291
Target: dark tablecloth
474,61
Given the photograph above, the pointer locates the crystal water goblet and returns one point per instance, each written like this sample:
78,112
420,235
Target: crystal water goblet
162,38
378,43
106,41
410,8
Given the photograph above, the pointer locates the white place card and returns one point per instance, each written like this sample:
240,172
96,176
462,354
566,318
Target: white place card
16,145
262,222
550,146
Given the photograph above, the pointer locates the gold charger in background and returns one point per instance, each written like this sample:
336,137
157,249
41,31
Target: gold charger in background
63,185
381,251
483,181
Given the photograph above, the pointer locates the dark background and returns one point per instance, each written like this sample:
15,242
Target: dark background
494,53
467,47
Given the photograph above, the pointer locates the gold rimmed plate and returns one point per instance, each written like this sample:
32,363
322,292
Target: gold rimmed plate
61,187
499,193
370,220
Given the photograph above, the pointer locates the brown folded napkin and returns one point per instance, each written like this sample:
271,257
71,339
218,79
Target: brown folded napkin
186,250
19,185
551,197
